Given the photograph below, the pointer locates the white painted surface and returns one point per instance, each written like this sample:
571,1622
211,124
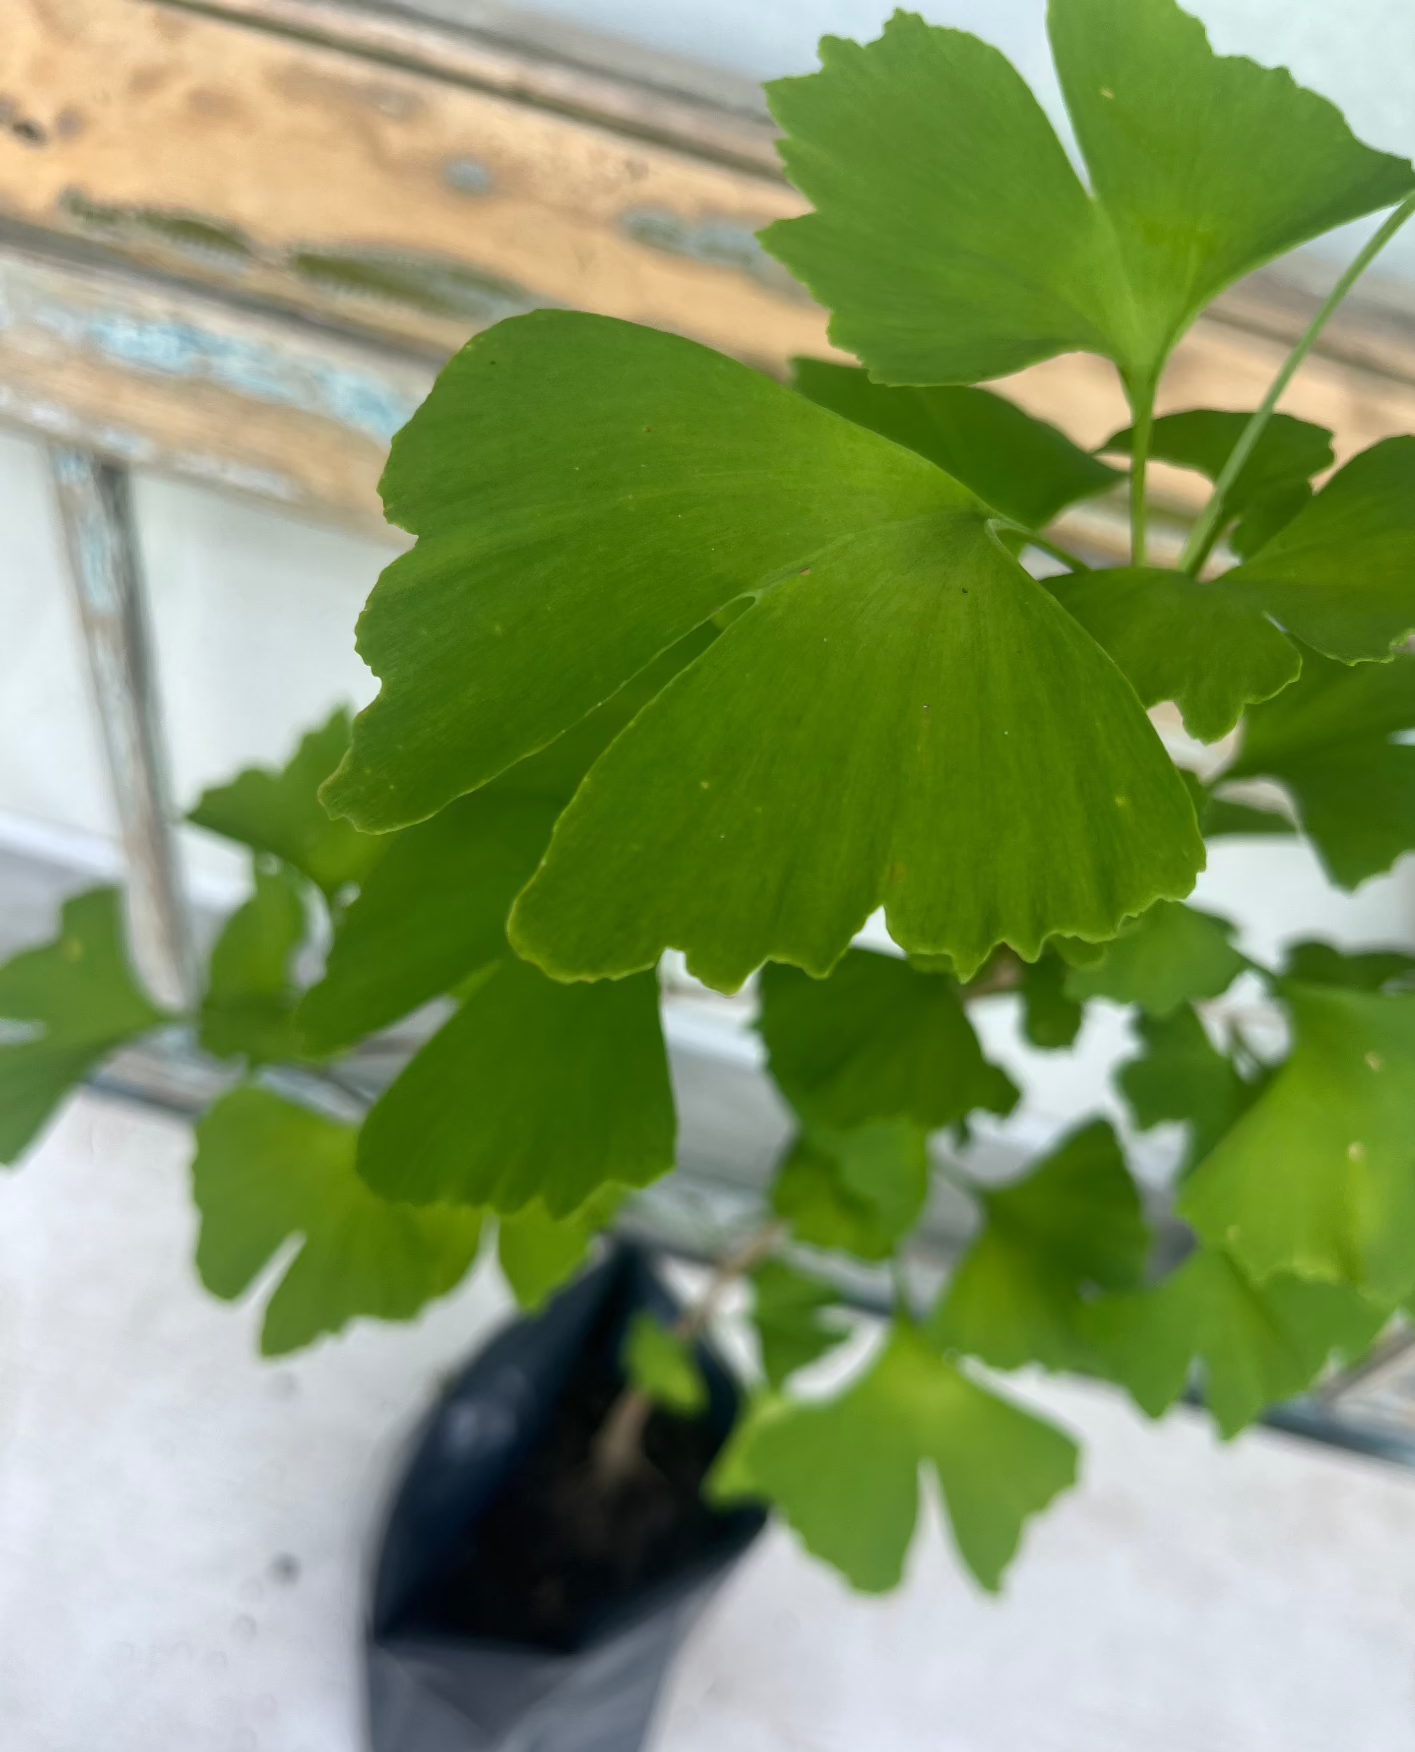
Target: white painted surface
153,1473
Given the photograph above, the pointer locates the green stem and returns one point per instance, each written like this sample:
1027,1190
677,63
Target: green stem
1142,415
1206,531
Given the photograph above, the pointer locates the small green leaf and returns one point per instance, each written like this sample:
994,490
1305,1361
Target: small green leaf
1341,576
1258,1344
1202,645
533,1090
1168,956
1051,1019
1365,970
1023,467
430,913
1318,1177
876,1040
845,1473
856,1191
1181,1075
250,995
75,1001
1333,740
953,240
661,1365
1074,1222
1289,453
791,1313
1219,815
538,1253
914,686
1270,513
280,813
267,1171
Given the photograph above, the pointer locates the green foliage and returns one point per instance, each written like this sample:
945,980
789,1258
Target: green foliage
661,1365
63,1008
912,683
1257,1344
537,1252
856,1191
1181,1075
1051,1017
1368,970
1331,741
877,1040
793,1317
1318,1177
250,993
1073,1224
1025,468
845,1473
960,249
267,1172
1168,956
280,813
533,1090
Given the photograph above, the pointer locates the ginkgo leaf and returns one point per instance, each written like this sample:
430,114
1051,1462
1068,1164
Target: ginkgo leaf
1168,956
1289,453
1200,644
661,1365
877,1040
1074,1222
250,995
1338,742
1341,576
266,1172
857,1191
1363,970
63,1008
1182,1076
1050,1018
953,240
430,913
280,813
1023,467
794,1317
1318,1177
1267,515
845,1472
898,690
533,1090
1257,1345
537,1252
1220,815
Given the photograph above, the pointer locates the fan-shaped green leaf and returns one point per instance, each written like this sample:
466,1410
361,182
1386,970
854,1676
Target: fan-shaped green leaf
1074,1222
845,1473
63,1008
1365,970
876,1040
267,1171
1318,1177
533,1090
1202,645
793,1317
1338,741
661,1365
1257,1344
953,240
281,814
537,1252
1021,466
1289,452
1165,958
856,1191
1182,1076
1051,1019
250,994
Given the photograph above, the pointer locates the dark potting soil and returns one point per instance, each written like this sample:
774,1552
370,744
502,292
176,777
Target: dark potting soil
555,1551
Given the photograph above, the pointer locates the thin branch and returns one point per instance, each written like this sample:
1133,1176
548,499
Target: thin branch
1142,409
1207,530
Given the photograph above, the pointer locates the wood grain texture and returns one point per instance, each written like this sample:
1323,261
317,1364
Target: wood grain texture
293,210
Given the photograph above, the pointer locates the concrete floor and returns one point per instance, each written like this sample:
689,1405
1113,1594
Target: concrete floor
183,1531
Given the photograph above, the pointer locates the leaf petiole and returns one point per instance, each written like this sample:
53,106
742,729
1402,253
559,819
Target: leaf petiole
1142,408
1206,531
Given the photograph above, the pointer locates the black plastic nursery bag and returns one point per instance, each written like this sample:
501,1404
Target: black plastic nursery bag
452,1670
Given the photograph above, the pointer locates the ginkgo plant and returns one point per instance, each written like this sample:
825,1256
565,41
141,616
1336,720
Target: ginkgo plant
686,658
